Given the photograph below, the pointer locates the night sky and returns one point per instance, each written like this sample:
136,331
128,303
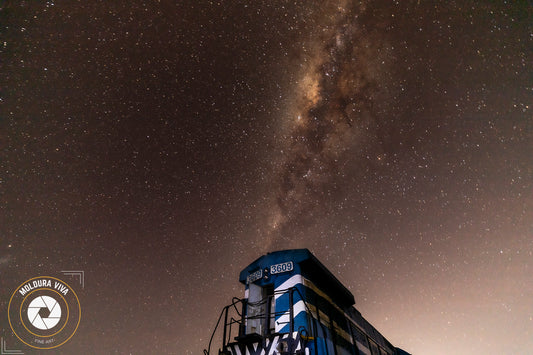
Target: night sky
162,146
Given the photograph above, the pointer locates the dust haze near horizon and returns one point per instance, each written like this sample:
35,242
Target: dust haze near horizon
161,147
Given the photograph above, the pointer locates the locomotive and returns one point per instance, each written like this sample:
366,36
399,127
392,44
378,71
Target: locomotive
293,305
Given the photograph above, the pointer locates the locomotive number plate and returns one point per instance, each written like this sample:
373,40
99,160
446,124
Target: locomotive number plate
254,276
283,267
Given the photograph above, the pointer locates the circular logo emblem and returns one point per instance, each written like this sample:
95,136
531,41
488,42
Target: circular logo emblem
44,312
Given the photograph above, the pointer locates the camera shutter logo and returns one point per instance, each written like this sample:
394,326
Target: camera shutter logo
44,312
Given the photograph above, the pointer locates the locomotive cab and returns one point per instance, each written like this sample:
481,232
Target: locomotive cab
294,305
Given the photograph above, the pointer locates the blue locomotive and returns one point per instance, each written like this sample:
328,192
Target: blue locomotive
293,305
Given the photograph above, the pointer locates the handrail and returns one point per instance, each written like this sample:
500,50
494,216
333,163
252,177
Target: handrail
224,312
235,301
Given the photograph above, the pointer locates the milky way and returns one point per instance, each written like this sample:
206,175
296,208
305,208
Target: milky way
337,102
162,146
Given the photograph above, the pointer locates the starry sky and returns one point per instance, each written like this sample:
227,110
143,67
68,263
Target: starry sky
161,146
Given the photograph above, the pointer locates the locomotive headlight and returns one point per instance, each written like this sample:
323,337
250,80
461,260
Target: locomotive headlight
266,273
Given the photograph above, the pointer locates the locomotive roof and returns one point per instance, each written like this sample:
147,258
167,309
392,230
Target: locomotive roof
309,265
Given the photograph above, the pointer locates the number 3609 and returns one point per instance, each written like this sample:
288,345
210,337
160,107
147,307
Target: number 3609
283,267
